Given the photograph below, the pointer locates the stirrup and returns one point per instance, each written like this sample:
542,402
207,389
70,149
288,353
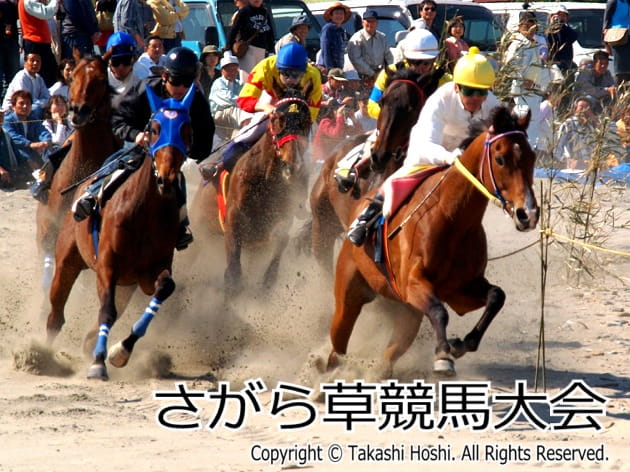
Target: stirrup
357,233
84,207
211,171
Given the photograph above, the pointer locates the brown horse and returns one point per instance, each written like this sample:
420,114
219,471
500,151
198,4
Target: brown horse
265,188
400,106
92,142
138,231
437,248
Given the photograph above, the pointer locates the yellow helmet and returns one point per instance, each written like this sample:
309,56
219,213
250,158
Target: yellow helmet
474,70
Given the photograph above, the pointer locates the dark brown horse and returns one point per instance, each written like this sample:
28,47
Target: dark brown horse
92,142
265,188
138,231
437,248
400,106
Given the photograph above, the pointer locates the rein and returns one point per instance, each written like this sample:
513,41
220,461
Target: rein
280,139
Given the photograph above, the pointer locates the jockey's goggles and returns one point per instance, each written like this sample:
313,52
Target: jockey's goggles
120,61
291,73
470,91
420,62
180,81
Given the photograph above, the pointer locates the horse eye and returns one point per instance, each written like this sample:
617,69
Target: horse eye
499,160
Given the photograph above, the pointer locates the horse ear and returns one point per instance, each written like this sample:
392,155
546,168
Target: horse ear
188,99
523,120
154,101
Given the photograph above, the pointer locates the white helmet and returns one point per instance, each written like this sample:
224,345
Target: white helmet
420,44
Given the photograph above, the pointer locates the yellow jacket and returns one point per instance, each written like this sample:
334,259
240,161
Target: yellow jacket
263,76
166,16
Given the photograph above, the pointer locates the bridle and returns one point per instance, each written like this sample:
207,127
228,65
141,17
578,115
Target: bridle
286,135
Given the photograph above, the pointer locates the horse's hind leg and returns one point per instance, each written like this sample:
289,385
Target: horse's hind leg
477,294
351,293
405,331
68,266
120,352
271,274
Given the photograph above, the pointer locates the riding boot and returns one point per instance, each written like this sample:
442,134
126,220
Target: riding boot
346,180
184,237
232,153
361,227
84,206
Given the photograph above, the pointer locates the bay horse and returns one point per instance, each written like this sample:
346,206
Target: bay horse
266,187
138,232
330,209
92,142
437,249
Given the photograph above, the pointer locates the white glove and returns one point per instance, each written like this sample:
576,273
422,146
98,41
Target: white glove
452,156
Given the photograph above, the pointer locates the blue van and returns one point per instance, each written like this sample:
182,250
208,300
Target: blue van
209,22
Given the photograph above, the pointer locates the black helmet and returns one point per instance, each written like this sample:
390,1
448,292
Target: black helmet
181,62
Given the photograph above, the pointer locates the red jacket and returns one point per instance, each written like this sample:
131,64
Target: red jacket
33,29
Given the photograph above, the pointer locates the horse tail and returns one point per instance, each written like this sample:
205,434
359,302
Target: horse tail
301,242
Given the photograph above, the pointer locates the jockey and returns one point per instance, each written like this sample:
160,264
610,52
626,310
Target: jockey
288,70
420,48
443,123
130,121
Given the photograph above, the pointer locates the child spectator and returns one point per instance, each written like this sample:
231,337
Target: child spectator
62,86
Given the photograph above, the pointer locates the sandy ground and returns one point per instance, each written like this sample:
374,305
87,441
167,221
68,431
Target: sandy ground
53,418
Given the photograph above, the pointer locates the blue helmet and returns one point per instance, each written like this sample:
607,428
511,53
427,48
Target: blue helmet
292,56
121,44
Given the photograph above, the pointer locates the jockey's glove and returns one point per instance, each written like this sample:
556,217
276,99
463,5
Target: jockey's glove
455,153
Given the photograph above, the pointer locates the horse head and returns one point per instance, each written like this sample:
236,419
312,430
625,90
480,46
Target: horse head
505,164
90,93
400,106
170,135
289,126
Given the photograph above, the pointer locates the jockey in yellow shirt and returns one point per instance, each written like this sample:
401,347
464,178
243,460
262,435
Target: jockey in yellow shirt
275,74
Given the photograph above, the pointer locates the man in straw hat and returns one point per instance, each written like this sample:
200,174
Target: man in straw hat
334,38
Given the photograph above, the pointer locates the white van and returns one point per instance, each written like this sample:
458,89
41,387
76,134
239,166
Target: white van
585,18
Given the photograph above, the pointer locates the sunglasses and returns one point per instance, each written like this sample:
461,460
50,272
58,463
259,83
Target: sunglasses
470,91
121,61
429,9
420,62
180,81
291,73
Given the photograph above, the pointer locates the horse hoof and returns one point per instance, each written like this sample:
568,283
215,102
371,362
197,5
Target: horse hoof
118,356
458,348
444,367
97,371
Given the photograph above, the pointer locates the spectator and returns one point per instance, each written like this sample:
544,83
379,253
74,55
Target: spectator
28,136
168,15
298,32
228,117
128,18
209,73
333,90
9,47
560,39
79,28
363,117
36,37
8,161
597,82
105,10
120,71
427,10
252,24
30,80
617,15
334,39
524,65
62,86
56,120
152,61
335,125
239,4
577,135
455,44
623,131
368,49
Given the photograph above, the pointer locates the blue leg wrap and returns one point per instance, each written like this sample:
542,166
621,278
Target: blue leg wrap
140,326
101,342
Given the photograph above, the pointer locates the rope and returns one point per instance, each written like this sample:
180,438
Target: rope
549,232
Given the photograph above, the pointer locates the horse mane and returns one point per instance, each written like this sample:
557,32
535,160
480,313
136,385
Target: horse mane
501,120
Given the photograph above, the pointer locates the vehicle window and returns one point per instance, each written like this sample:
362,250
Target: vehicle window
588,24
481,28
196,22
389,27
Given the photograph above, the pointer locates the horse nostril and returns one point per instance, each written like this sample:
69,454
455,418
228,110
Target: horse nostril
521,215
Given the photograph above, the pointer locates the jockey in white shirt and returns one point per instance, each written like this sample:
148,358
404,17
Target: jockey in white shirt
443,123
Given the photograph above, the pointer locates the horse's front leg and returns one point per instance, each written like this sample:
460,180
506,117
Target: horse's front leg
475,295
120,352
233,271
106,285
271,274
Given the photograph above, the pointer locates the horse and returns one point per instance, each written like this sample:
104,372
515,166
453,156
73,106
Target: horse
330,209
92,142
138,232
265,188
437,251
